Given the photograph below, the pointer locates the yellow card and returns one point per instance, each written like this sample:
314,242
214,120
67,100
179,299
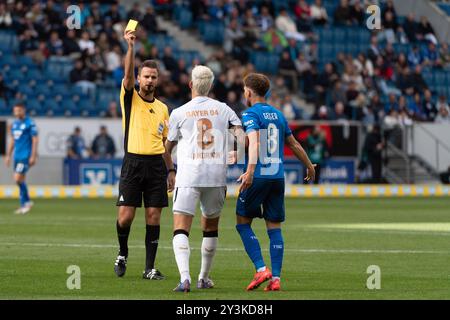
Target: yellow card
132,24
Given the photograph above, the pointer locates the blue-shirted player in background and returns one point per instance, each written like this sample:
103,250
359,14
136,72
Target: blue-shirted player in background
24,142
262,184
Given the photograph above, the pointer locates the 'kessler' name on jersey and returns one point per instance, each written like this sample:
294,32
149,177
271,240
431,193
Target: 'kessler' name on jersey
202,113
270,116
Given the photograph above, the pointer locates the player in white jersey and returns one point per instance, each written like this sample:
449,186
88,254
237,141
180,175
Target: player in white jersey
199,129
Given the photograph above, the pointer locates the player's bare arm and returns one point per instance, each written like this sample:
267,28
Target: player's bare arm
10,148
128,79
239,146
246,179
301,155
34,144
167,156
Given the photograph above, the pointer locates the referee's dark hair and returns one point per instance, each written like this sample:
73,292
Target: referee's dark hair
153,64
19,104
258,83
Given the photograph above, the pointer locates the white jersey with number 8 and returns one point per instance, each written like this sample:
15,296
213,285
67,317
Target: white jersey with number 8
201,129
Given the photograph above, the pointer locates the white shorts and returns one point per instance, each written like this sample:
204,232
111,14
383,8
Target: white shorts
185,200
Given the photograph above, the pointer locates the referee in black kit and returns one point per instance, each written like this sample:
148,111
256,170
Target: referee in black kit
147,170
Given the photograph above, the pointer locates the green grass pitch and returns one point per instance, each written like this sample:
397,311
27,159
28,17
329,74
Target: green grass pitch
329,244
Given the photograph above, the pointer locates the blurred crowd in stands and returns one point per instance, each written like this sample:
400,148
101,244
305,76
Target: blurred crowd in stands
347,88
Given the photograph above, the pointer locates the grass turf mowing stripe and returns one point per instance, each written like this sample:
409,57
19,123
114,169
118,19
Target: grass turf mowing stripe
305,250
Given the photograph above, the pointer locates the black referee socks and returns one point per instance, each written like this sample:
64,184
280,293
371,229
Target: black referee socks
151,245
122,235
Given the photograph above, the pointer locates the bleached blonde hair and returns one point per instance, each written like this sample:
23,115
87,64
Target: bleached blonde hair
202,79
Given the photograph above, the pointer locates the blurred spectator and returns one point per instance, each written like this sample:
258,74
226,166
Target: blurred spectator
442,103
285,24
135,12
391,104
265,19
234,103
325,81
114,13
373,147
55,44
113,59
286,68
76,147
444,55
425,31
3,88
445,176
113,111
443,115
357,13
169,61
70,45
343,14
319,14
274,40
86,44
103,146
149,21
415,108
317,150
250,26
233,37
374,50
428,106
321,114
83,77
339,112
431,56
290,110
410,27
28,44
220,87
96,14
5,17
418,81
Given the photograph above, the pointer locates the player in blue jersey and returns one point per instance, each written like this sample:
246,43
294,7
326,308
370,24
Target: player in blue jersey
261,193
24,142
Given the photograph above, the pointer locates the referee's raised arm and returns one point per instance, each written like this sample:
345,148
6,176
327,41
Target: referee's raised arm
128,79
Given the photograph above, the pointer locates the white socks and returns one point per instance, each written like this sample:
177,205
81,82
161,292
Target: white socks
209,246
182,252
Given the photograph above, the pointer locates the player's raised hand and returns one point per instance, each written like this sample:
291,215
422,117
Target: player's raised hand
130,37
246,180
311,173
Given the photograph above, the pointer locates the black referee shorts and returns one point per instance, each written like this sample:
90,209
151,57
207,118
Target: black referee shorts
143,177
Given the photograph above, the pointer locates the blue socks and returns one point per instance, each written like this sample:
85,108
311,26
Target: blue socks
276,250
251,244
24,197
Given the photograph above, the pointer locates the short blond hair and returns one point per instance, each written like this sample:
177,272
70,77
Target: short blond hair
202,79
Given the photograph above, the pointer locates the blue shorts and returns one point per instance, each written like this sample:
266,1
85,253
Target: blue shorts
264,199
21,166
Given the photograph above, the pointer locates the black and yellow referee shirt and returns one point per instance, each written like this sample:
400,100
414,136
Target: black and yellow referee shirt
144,123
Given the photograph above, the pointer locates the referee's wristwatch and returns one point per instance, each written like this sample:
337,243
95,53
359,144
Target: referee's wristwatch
172,170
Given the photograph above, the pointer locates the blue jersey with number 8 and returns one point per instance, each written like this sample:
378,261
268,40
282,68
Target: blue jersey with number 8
273,129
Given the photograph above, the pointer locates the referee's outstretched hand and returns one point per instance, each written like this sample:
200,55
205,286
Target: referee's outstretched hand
129,36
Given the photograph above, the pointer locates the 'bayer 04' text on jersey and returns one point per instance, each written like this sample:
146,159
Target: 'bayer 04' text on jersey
273,129
201,129
22,132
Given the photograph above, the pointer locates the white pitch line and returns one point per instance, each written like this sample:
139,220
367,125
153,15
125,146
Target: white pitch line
313,250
